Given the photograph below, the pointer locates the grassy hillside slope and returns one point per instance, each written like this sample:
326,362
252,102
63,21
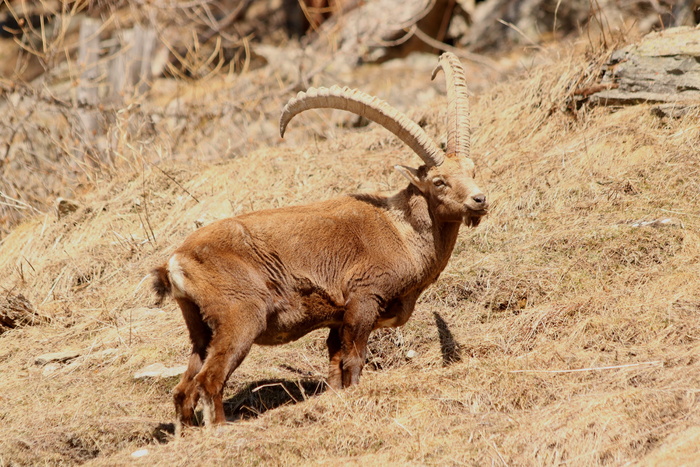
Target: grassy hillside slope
566,328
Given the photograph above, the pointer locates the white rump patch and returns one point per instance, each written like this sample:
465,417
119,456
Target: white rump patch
177,277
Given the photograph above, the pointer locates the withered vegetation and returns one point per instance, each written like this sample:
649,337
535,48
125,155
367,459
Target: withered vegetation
565,329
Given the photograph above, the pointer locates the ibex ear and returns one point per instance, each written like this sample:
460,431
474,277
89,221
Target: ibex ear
411,175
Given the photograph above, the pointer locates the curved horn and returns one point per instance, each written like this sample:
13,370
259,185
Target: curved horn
370,107
458,131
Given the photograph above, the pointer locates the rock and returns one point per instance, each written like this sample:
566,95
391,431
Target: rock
56,357
17,311
52,362
381,30
411,354
158,370
663,67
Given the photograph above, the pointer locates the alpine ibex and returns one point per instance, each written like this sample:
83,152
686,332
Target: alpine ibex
352,264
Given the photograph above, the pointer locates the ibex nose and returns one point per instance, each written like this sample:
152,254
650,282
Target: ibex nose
480,200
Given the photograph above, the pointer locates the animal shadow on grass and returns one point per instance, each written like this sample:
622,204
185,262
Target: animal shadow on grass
260,396
449,347
254,399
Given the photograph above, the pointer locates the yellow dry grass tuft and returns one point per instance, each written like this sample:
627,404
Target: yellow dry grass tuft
564,330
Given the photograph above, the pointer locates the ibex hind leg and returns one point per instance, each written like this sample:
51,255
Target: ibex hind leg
237,326
185,394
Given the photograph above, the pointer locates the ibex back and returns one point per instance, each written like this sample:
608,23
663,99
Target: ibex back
352,264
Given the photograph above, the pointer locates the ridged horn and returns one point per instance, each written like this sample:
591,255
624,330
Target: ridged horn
370,107
458,130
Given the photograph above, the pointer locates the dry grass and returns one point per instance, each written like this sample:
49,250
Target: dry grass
560,333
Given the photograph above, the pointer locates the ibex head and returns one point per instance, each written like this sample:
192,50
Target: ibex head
447,178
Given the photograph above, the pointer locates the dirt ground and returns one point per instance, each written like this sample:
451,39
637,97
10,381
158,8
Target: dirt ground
565,329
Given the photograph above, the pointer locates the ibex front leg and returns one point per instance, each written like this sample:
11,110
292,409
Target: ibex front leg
359,319
335,368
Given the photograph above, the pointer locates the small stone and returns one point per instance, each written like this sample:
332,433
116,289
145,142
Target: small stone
411,354
158,370
664,222
58,357
140,453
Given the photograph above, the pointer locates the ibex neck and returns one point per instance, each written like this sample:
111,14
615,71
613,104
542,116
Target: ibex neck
433,240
